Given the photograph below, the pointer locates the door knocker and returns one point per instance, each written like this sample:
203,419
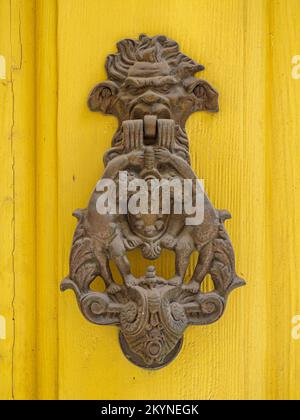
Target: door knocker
152,91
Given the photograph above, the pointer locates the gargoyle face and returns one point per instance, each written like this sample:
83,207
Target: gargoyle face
153,89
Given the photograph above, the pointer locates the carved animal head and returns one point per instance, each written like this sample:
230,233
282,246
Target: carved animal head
150,76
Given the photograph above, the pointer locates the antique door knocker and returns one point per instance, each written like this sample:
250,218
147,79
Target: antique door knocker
152,91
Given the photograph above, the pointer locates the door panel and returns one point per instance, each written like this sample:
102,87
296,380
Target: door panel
248,155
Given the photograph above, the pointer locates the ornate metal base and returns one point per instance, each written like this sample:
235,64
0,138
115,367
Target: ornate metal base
152,315
138,361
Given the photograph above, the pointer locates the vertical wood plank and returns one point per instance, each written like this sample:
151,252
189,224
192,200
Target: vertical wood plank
7,209
18,199
249,222
284,200
46,200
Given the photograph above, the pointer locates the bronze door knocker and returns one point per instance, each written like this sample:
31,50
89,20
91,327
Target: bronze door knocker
152,91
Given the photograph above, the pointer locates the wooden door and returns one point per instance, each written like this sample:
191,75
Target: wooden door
52,54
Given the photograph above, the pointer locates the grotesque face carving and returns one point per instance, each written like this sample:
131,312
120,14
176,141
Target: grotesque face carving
152,77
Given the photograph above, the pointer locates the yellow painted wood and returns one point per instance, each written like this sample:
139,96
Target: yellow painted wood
17,216
248,155
232,151
6,213
284,200
46,199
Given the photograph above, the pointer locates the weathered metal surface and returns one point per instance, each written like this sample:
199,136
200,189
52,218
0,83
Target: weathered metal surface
152,91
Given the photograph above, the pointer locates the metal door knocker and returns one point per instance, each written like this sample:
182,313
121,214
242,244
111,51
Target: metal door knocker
142,202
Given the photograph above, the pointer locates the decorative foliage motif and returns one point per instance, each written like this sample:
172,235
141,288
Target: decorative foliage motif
152,91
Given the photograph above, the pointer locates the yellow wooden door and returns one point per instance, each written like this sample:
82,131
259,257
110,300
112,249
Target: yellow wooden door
52,53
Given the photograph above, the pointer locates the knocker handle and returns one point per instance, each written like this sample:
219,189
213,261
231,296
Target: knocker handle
150,131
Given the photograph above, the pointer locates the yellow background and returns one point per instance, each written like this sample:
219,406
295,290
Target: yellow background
51,151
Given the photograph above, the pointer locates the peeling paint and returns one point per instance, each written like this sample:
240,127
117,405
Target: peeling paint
2,328
2,68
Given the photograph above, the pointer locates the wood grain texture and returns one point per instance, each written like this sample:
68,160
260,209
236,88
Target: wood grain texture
248,155
17,361
284,199
232,151
7,212
46,199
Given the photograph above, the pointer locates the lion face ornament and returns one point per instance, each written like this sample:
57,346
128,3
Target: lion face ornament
151,89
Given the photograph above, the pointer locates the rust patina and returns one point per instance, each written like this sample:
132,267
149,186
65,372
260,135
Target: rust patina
151,90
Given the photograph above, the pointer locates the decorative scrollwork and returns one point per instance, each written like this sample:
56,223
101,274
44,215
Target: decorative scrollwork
152,90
